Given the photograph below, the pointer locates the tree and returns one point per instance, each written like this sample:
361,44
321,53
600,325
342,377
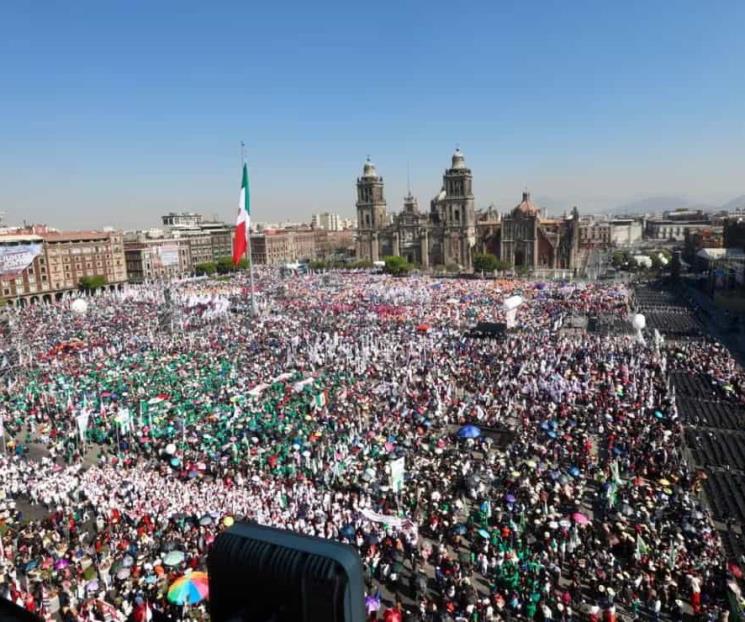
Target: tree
622,260
318,264
395,265
484,262
362,263
92,283
206,268
225,265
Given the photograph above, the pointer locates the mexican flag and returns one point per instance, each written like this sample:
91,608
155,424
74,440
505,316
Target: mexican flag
240,241
321,399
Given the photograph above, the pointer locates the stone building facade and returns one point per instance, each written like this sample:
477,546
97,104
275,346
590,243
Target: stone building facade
164,258
274,248
65,258
445,235
528,240
453,231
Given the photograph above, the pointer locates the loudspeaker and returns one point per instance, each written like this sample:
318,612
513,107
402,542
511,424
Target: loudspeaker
10,612
262,574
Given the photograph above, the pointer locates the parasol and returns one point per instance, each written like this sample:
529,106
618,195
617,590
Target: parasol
580,518
469,431
189,589
174,558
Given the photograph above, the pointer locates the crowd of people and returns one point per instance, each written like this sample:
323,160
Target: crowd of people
129,447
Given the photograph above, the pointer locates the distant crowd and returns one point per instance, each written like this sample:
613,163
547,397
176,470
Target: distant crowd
543,476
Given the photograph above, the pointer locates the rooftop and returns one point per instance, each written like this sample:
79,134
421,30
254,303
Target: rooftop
19,237
75,236
526,206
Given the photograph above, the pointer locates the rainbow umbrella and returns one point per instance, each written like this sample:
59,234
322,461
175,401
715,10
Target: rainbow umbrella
190,589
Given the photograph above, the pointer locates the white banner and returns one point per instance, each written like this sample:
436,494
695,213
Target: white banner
15,259
393,521
404,524
299,386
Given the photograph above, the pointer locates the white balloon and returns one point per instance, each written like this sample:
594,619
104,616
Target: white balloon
170,449
79,306
639,321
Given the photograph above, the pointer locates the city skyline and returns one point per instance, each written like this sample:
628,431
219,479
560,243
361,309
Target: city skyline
115,115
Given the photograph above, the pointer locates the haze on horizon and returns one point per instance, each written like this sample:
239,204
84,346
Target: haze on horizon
114,113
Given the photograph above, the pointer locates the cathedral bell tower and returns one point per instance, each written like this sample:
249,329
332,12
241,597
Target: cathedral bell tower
458,212
372,215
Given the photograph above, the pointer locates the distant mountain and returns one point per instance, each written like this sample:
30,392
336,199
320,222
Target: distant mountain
658,204
734,203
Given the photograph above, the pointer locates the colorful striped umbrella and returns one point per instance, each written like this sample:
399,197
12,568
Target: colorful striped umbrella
190,589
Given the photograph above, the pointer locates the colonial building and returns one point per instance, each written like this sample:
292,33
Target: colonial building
452,231
58,262
675,225
330,243
445,235
528,240
152,259
274,248
594,233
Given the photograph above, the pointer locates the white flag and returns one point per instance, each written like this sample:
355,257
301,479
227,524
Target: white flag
398,468
82,420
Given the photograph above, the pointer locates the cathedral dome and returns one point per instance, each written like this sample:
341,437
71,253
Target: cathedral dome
526,206
369,169
458,161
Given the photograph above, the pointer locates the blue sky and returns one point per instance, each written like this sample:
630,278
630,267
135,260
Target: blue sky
115,112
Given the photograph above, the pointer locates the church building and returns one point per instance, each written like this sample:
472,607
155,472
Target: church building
528,240
453,231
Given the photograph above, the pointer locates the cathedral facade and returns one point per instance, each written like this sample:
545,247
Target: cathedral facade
445,235
453,231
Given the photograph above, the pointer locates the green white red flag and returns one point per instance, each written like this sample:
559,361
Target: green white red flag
242,223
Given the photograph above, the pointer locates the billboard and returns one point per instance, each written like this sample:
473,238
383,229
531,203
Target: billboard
16,258
168,255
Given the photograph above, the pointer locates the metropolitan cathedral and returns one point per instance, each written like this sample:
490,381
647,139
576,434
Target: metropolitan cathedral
453,230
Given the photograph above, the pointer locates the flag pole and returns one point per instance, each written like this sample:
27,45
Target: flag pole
254,312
